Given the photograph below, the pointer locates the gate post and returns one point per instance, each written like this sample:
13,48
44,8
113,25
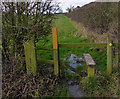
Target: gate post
109,55
55,51
30,57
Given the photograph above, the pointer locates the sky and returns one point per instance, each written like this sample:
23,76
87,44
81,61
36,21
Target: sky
64,4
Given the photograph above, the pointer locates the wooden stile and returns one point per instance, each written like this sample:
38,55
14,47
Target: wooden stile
55,51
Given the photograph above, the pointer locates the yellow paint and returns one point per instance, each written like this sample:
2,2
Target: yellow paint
55,41
110,44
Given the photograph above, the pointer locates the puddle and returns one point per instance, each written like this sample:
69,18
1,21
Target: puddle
73,87
75,90
74,62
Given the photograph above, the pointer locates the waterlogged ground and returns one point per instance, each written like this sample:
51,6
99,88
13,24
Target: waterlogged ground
74,61
73,85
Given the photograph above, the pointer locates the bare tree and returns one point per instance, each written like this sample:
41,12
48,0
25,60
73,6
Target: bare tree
70,9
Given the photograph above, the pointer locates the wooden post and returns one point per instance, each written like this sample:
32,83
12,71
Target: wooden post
30,57
91,71
55,51
115,65
109,56
91,64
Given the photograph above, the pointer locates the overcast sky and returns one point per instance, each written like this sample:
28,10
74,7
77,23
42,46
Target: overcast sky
66,3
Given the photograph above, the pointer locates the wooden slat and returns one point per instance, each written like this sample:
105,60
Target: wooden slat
83,45
89,60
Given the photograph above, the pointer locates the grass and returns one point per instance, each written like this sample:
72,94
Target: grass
100,86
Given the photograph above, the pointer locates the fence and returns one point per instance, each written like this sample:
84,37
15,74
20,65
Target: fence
30,56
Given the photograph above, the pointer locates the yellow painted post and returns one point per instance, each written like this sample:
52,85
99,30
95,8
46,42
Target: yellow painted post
55,51
109,56
30,57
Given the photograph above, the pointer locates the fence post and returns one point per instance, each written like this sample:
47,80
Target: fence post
109,55
55,51
91,71
30,57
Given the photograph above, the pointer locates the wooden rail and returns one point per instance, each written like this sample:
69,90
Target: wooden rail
87,45
83,45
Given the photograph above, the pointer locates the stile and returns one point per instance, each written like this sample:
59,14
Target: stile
55,51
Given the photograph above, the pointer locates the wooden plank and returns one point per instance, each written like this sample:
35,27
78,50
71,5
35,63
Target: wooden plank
89,60
109,56
55,51
83,45
30,57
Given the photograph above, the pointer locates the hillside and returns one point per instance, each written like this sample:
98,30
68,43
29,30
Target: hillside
99,19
